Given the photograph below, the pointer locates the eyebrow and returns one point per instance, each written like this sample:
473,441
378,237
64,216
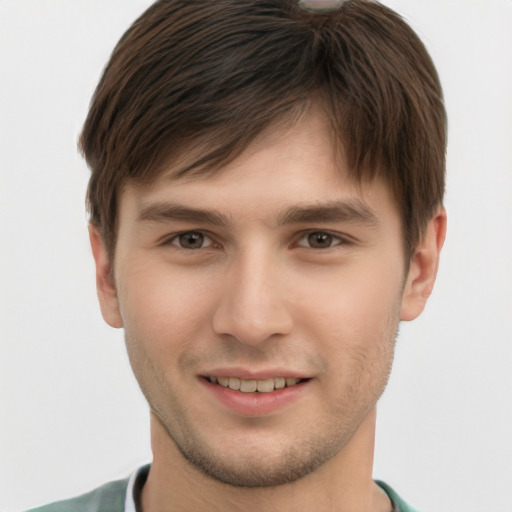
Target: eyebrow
165,212
353,211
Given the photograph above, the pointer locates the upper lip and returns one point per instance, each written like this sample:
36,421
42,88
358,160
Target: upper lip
252,374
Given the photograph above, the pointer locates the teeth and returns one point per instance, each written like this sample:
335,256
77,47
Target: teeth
248,386
234,383
266,386
279,382
252,385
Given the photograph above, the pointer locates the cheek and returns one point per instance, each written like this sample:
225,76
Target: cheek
357,302
161,306
355,325
361,318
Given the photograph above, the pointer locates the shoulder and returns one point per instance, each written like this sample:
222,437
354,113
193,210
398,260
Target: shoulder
400,504
107,498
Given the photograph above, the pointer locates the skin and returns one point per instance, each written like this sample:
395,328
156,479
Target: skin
262,295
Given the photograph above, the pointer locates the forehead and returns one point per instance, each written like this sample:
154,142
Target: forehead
289,164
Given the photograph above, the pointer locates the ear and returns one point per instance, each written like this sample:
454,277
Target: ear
105,284
423,267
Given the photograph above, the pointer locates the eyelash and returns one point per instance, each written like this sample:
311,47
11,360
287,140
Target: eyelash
337,240
176,238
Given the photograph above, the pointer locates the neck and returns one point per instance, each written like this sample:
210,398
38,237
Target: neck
344,483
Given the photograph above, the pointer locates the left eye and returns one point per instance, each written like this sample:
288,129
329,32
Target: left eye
319,240
192,240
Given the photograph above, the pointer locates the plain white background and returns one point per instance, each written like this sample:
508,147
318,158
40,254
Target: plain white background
71,414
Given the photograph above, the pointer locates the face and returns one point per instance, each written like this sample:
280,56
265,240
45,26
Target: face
260,306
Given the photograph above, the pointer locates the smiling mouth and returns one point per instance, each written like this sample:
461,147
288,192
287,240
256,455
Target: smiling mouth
255,386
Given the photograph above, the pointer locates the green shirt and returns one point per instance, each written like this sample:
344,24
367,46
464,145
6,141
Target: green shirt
112,497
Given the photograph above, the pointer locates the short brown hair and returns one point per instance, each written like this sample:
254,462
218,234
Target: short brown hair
222,71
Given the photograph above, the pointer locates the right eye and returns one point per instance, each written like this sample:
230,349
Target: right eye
191,240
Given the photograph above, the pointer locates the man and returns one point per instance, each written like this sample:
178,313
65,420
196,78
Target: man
265,208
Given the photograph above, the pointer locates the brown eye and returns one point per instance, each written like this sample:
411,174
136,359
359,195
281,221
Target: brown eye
320,240
191,240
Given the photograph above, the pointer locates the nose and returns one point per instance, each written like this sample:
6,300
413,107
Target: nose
254,302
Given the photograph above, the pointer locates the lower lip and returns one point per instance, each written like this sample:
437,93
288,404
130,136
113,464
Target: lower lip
255,404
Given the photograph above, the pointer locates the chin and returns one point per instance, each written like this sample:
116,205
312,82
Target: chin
255,466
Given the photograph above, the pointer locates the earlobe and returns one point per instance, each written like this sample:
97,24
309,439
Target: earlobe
423,267
105,284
